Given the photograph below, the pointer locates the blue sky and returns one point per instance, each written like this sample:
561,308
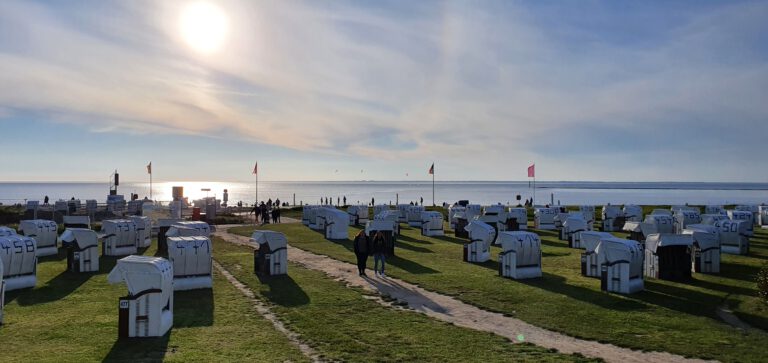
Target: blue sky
348,90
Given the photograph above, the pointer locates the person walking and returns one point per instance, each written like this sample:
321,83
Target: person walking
379,253
362,247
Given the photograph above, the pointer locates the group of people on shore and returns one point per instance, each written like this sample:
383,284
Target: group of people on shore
267,211
376,247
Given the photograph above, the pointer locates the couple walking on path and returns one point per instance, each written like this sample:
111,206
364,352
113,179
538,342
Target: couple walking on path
364,247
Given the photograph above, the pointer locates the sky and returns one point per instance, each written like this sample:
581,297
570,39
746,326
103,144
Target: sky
370,90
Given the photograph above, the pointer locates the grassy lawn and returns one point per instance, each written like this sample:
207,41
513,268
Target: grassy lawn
667,316
73,317
342,324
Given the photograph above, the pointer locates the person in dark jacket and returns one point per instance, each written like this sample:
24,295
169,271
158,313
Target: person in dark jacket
379,253
362,247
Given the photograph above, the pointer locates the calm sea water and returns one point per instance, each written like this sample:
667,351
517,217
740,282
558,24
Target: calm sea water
385,192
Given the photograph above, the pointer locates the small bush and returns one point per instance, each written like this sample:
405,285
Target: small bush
762,283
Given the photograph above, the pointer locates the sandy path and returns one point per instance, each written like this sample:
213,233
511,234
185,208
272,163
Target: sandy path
451,310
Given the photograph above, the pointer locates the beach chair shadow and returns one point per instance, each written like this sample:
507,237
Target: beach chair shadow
408,265
284,291
557,284
55,289
139,349
193,308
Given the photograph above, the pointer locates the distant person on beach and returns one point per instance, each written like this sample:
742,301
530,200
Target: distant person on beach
45,200
274,215
372,202
379,253
421,200
362,248
345,200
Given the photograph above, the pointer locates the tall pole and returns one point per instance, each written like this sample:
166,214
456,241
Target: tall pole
534,189
150,185
433,185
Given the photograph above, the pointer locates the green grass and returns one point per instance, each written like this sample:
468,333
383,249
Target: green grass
73,317
341,324
667,316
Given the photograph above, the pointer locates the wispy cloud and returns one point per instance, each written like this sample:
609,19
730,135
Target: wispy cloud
398,80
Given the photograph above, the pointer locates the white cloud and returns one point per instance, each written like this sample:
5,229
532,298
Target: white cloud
451,80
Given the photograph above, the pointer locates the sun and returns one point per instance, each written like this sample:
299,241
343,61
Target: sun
204,26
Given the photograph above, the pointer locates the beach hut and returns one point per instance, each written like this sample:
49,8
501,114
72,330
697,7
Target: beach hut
147,311
143,230
77,222
305,214
472,210
2,292
61,206
633,213
712,218
459,230
517,219
497,210
403,210
668,256
481,235
661,212
635,231
191,261
683,218
19,255
621,265
743,215
706,248
390,216
452,213
762,217
91,205
82,246
336,223
163,226
589,242
44,232
664,223
358,214
271,257
588,211
119,237
432,223
613,218
544,217
380,208
413,215
752,208
733,236
313,214
572,229
714,209
5,231
520,256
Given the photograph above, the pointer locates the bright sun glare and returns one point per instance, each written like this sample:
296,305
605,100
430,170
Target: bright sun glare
204,26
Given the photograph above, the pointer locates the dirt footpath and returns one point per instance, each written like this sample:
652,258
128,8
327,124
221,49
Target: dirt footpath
451,310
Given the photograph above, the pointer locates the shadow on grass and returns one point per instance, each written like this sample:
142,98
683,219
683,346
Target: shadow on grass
55,289
193,308
450,239
558,243
557,284
410,247
139,349
414,240
409,266
687,301
61,254
283,291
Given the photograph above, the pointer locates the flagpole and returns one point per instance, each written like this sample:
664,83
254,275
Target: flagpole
150,183
433,183
256,203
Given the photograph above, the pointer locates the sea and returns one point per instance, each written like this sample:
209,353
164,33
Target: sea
479,192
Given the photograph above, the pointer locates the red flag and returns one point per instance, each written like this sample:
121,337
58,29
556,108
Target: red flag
532,171
432,169
149,168
256,168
